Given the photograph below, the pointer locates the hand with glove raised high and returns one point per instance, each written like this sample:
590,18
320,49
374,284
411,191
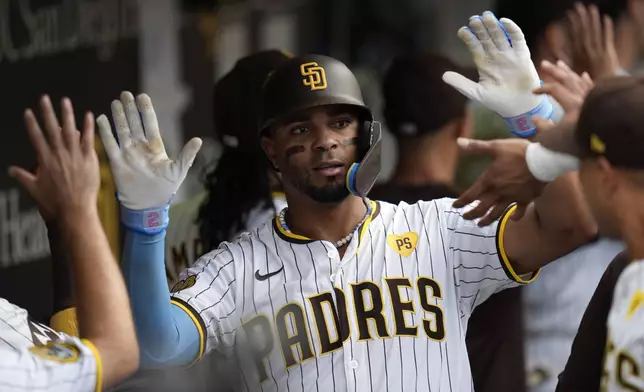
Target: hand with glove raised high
146,179
507,76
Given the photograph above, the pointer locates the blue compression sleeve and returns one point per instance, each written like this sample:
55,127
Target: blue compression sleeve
166,333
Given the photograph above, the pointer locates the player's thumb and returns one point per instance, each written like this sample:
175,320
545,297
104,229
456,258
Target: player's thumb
542,124
475,147
188,154
26,179
462,84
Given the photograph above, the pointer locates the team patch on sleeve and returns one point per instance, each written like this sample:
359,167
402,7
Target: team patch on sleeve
184,284
56,351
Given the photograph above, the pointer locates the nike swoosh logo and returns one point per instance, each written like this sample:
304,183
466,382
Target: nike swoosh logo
261,277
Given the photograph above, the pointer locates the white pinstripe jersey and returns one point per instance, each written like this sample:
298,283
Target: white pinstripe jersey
34,357
183,246
554,306
391,315
624,353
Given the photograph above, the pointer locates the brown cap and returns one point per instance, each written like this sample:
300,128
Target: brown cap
611,123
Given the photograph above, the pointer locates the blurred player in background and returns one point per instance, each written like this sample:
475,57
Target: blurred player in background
427,116
555,304
243,190
610,140
65,187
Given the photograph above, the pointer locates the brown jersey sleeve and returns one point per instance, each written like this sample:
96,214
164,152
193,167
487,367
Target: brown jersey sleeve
584,367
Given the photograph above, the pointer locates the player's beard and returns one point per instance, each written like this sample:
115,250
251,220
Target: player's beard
332,193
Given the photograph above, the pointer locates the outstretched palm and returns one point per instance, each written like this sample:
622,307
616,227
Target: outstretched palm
145,176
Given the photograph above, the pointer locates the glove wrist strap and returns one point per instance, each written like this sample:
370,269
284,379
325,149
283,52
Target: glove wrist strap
523,126
150,221
546,165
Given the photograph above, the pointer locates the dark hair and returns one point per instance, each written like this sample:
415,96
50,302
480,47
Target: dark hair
240,181
610,122
416,100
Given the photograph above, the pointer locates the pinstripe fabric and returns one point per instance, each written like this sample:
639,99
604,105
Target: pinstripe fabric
624,352
21,370
554,306
390,315
17,330
183,246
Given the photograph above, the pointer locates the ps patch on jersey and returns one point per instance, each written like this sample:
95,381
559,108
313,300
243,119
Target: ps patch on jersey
184,283
403,244
59,352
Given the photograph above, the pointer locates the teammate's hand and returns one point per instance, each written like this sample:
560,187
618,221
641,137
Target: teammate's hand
592,45
67,178
566,87
507,76
144,175
508,179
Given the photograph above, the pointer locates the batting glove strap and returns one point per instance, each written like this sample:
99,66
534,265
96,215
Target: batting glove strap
150,221
546,165
523,126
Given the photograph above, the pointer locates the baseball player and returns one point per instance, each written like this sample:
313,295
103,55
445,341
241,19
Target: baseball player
65,185
201,224
624,351
611,173
584,368
338,292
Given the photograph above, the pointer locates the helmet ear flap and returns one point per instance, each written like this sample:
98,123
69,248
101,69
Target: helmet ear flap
365,138
363,175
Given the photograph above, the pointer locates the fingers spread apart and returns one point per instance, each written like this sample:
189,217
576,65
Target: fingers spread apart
122,127
150,122
109,142
497,32
479,28
473,44
133,117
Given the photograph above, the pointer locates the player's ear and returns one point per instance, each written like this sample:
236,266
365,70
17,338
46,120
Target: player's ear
268,145
609,177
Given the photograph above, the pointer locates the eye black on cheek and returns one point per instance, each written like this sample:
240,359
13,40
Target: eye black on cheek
290,151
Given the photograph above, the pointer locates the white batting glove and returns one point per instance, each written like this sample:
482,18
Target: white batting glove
507,76
145,178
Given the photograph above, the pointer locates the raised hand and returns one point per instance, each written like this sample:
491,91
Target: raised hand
145,176
566,87
67,179
506,181
507,76
592,42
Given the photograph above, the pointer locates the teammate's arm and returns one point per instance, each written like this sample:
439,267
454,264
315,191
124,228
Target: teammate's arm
64,318
167,334
556,223
67,183
146,179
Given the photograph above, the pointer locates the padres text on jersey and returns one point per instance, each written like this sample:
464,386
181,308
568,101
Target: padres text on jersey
390,315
